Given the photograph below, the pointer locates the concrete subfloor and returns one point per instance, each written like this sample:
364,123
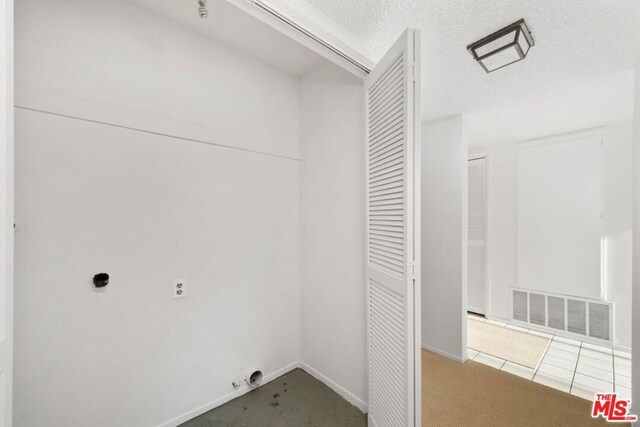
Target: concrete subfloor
295,399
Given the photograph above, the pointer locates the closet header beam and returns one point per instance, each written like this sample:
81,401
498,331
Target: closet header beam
310,34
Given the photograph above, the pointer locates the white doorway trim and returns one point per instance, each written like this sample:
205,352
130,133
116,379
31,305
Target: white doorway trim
635,339
484,154
6,213
306,25
481,308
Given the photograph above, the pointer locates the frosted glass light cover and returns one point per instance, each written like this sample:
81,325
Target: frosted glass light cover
496,44
501,58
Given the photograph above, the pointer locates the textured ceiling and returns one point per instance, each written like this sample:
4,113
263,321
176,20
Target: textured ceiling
578,74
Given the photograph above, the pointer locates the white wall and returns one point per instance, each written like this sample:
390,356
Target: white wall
502,226
618,226
113,54
147,209
559,206
444,238
501,230
333,317
636,242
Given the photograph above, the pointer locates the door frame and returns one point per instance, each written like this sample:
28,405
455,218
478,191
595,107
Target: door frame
417,227
6,211
315,32
474,155
635,285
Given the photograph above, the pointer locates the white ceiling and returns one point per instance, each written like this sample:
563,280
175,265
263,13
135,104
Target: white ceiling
578,75
235,28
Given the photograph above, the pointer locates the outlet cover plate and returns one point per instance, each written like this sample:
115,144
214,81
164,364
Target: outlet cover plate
179,289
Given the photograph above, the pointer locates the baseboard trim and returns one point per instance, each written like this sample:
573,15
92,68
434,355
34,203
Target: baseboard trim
551,332
443,353
343,392
622,348
497,319
346,394
226,398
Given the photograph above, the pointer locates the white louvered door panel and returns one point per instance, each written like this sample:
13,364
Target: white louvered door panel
393,237
477,236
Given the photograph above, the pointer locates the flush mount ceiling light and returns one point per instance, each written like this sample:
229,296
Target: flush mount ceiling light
506,46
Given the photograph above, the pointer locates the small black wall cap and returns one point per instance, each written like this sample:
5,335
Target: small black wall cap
101,280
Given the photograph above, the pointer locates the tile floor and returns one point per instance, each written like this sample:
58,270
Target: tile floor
575,367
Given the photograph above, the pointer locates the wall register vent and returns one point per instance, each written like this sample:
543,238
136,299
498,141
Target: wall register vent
577,318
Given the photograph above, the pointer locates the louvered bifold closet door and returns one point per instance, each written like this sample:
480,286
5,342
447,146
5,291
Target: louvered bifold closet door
477,236
392,246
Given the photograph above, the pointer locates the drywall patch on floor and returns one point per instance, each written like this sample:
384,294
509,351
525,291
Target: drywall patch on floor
295,399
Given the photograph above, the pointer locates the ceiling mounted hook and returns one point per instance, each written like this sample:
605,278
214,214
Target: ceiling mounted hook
202,9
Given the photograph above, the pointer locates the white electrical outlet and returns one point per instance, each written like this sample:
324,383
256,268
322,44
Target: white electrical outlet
179,289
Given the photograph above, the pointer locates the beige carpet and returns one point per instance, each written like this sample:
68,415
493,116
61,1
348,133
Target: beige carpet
508,344
472,394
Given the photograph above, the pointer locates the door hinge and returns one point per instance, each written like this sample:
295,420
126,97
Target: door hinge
413,273
413,72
